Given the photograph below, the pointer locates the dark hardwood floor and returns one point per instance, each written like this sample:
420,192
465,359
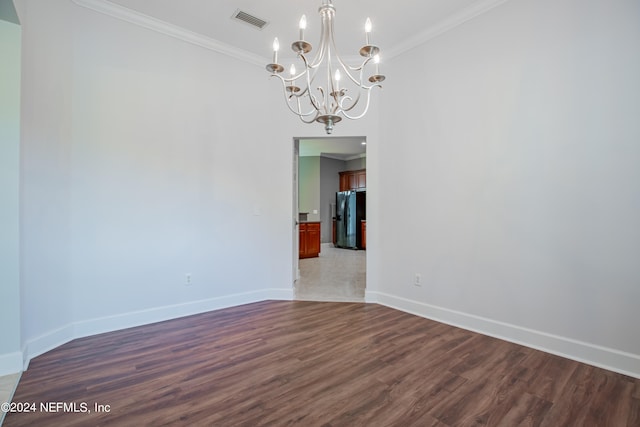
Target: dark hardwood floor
316,364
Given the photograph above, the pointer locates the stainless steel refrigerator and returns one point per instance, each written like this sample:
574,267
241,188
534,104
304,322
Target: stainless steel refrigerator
350,210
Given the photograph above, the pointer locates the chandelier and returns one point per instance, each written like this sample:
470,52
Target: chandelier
328,104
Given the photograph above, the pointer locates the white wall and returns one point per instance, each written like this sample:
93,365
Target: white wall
516,163
10,346
142,162
145,158
356,164
45,170
309,187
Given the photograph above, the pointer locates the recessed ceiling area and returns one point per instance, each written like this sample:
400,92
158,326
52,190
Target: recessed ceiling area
341,148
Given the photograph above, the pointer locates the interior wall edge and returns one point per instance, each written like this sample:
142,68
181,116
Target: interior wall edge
10,363
55,338
601,357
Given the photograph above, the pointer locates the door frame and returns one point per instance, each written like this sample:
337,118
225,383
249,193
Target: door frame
295,200
295,213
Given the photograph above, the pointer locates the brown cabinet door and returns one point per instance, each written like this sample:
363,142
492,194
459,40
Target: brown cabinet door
313,239
302,241
361,178
333,232
309,240
353,180
344,181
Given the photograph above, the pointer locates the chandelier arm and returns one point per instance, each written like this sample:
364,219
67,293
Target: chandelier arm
348,98
310,72
341,102
323,105
310,79
331,98
359,69
307,68
311,120
282,79
302,116
372,86
299,112
302,73
313,104
288,99
346,67
354,68
313,99
366,107
357,81
317,60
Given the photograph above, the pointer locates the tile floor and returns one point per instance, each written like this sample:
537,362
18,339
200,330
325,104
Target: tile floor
336,275
8,385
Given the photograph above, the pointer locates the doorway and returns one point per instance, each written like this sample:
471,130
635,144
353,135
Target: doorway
335,274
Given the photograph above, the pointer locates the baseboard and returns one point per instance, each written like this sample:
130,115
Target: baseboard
45,342
370,297
607,358
10,363
159,314
602,357
58,337
285,294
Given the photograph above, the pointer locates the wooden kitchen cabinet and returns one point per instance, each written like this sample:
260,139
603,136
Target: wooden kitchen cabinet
309,243
334,232
353,180
363,232
344,181
361,180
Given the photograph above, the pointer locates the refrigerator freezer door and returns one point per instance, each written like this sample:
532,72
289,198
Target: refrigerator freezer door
341,201
346,219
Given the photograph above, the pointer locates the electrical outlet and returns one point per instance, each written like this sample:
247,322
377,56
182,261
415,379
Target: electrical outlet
187,279
417,280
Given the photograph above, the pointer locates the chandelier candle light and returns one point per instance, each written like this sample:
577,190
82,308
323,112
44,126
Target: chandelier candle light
327,105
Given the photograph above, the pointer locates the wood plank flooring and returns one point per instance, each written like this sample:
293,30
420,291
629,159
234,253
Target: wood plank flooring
281,363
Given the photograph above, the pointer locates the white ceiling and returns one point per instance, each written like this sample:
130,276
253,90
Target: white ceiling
397,26
342,148
394,22
8,12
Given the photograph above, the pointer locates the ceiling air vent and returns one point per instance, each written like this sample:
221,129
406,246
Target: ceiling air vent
248,18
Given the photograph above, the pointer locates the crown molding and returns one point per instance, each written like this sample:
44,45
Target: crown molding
448,24
340,157
125,14
357,156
